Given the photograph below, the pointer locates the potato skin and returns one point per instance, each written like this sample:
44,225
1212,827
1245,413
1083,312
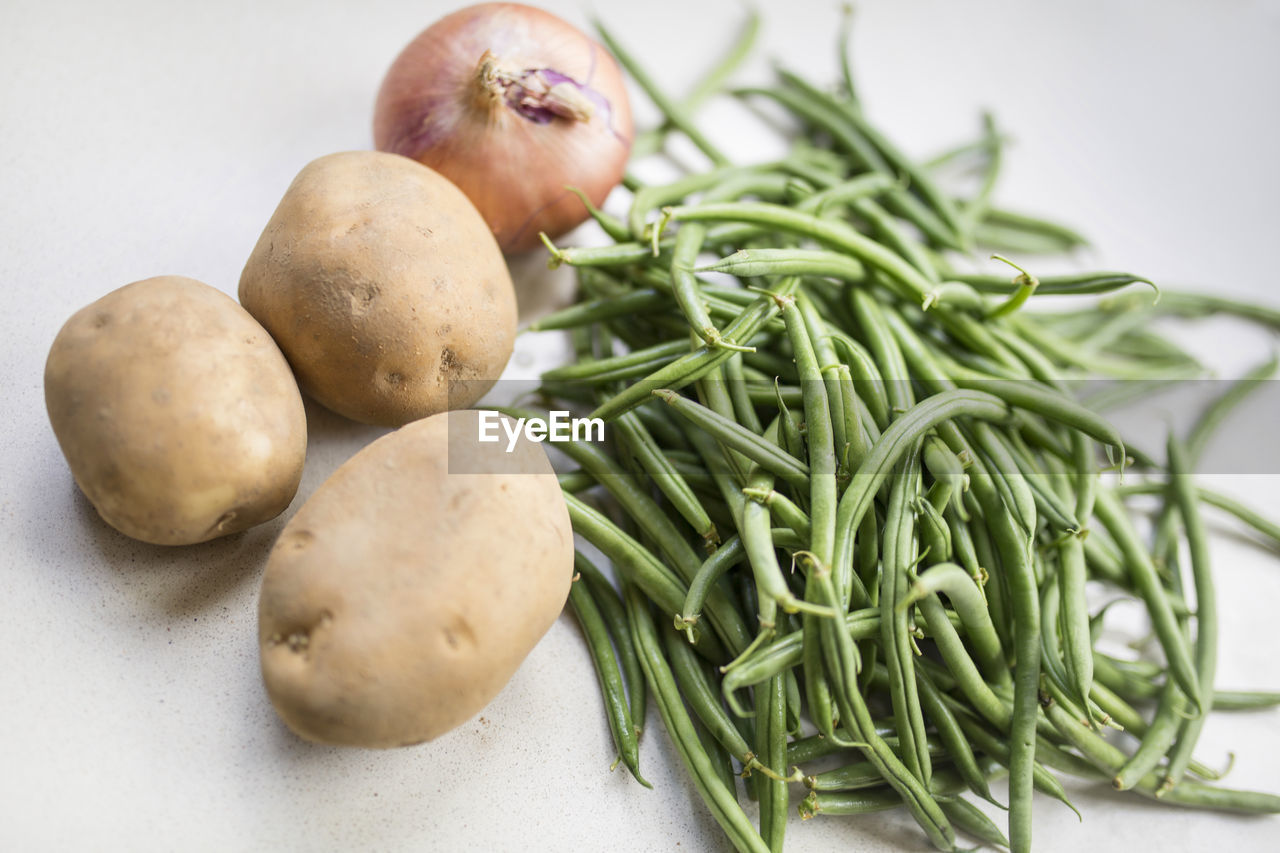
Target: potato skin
403,595
176,412
381,283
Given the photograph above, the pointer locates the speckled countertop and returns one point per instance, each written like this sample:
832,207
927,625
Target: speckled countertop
140,138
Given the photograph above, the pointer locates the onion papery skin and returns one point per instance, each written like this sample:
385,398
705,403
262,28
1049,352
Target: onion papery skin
513,160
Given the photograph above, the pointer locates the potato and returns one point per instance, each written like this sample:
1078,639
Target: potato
177,413
382,284
406,591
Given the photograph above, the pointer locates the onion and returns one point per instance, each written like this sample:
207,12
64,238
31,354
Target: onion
514,106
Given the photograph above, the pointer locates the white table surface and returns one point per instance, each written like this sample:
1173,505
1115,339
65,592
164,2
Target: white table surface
140,138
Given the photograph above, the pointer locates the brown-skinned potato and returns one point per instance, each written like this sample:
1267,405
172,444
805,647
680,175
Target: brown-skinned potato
177,413
406,591
383,285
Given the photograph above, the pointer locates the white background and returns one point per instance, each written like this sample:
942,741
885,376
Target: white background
140,138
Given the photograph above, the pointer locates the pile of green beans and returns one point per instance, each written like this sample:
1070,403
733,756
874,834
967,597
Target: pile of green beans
851,506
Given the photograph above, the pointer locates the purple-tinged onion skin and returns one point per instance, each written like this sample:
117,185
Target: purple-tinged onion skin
469,98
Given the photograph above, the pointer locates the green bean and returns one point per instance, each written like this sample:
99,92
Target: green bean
772,745
1035,224
1111,513
615,228
908,280
617,254
952,736
1051,404
1245,700
966,598
638,362
961,666
713,398
1206,648
744,410
965,552
946,468
975,209
786,652
850,777
820,438
753,525
1248,516
868,185
831,372
712,569
808,749
636,564
865,801
636,439
997,237
711,83
988,743
970,819
789,435
702,698
1198,305
844,39
1076,642
576,481
1025,608
1012,483
655,524
1109,678
684,284
935,535
794,709
688,369
898,557
610,676
849,802
782,508
1213,416
601,309
892,160
855,415
611,609
886,452
867,378
1064,352
838,650
719,758
1058,684
893,236
995,586
866,557
739,439
766,261
688,244
1108,759
719,800
1145,343
674,113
